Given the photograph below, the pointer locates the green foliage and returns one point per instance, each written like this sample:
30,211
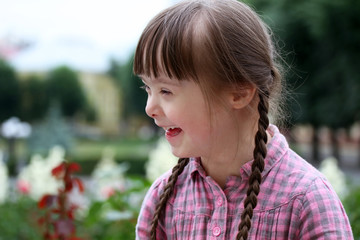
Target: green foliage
116,217
352,207
90,113
136,164
130,84
63,87
31,98
18,220
34,99
112,219
9,92
321,38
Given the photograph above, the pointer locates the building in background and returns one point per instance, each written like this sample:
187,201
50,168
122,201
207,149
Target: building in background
104,96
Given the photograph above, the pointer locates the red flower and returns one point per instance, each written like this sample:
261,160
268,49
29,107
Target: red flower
80,184
68,185
60,213
74,167
46,201
59,171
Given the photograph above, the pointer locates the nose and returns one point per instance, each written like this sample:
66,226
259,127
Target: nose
152,108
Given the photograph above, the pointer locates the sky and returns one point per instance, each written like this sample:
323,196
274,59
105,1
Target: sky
37,35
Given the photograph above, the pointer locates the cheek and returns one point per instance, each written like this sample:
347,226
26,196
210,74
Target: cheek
175,115
192,116
198,127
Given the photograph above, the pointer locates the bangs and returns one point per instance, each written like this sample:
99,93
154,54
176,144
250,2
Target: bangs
166,44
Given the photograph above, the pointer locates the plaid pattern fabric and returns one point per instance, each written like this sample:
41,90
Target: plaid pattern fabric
295,202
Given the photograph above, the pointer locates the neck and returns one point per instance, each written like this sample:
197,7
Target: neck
227,159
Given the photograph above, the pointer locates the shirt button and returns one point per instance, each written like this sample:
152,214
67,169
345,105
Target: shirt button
219,201
216,231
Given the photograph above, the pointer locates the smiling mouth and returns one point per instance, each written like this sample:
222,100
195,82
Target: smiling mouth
172,132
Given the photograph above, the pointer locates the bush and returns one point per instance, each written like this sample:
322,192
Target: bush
19,220
136,165
116,217
352,206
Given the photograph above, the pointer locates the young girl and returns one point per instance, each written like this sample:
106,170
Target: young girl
210,73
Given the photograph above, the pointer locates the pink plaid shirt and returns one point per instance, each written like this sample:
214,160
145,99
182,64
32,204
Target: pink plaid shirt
295,202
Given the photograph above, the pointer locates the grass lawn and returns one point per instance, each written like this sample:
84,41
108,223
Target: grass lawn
133,151
123,149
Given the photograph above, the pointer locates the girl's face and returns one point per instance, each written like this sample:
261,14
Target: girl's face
179,107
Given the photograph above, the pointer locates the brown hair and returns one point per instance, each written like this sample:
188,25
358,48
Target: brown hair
220,45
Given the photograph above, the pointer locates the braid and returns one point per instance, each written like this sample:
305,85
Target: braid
168,190
256,168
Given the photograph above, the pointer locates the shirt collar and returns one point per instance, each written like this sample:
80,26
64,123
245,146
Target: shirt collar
196,166
276,148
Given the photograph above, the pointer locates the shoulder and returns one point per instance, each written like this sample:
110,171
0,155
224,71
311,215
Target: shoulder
285,171
319,210
156,188
148,206
292,178
302,173
299,189
322,213
306,179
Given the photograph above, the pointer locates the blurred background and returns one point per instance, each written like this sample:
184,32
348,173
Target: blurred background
67,91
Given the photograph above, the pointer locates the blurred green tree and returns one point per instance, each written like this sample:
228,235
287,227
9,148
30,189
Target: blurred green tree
34,102
320,38
63,86
9,91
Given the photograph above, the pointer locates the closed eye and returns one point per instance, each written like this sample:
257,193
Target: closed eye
165,92
162,91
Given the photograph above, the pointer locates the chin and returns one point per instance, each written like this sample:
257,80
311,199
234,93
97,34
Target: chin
180,154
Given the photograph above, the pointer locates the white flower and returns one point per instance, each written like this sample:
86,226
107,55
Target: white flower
114,215
81,201
329,167
108,176
3,179
37,175
14,128
161,159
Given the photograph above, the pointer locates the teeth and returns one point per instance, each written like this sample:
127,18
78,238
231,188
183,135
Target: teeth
169,128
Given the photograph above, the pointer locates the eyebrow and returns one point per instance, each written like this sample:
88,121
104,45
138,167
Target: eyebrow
160,80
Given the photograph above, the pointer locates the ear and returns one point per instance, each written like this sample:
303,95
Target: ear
243,97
